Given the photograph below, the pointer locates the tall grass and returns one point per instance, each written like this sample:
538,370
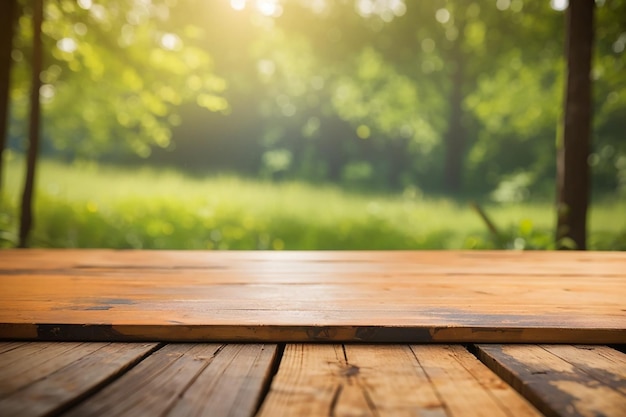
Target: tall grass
86,205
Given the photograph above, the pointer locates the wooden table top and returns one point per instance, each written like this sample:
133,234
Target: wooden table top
413,297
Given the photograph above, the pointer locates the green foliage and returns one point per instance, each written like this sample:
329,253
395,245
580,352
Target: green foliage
88,205
325,91
518,126
377,97
115,76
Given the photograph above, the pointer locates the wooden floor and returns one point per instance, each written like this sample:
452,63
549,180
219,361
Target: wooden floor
144,333
403,297
204,379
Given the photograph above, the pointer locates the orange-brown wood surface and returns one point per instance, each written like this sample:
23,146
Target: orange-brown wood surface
313,379
563,380
388,380
429,296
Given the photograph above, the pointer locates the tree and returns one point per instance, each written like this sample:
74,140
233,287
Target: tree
26,218
7,25
144,104
608,158
121,72
455,139
574,145
370,81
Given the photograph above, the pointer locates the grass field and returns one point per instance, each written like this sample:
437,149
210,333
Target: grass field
103,206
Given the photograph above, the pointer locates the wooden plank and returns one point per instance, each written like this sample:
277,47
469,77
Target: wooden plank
100,295
388,380
21,367
188,380
231,385
8,346
43,378
576,381
427,262
466,384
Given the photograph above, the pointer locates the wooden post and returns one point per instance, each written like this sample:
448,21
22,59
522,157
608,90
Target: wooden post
573,146
26,215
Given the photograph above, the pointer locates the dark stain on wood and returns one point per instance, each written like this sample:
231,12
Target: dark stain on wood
320,333
350,370
116,301
393,334
78,332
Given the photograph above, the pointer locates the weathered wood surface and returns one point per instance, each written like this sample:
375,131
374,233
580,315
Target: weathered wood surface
434,380
188,380
42,378
388,380
563,380
414,297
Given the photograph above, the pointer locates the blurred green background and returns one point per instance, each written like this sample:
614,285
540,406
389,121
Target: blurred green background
309,124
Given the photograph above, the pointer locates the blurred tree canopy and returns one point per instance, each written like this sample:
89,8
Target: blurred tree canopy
116,75
452,95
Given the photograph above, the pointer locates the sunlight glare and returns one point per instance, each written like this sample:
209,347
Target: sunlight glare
442,16
385,9
559,5
98,12
269,7
503,4
365,7
397,7
318,6
85,4
46,93
171,42
238,4
68,45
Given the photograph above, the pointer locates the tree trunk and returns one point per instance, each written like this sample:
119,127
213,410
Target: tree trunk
455,135
26,218
7,25
573,146
455,138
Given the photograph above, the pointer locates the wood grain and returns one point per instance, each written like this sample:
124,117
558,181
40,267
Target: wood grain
188,380
43,378
403,297
388,380
563,380
466,386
